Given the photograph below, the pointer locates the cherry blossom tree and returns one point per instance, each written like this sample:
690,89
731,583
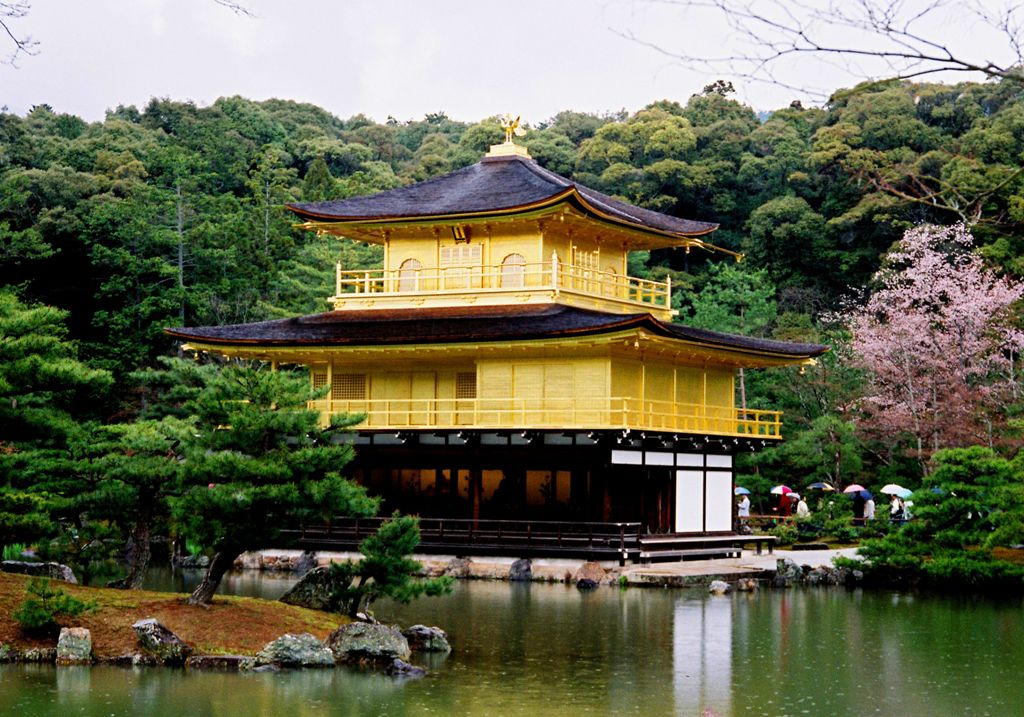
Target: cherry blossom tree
938,337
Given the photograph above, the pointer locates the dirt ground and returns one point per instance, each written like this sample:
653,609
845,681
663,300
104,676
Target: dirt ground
229,625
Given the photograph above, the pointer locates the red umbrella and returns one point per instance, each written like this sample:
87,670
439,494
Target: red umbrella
782,490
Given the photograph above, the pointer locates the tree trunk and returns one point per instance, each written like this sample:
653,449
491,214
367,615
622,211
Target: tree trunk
140,559
221,563
180,226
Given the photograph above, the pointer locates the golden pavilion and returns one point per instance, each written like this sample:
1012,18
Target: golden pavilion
520,391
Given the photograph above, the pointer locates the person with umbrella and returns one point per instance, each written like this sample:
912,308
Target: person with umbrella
743,508
895,509
869,509
802,511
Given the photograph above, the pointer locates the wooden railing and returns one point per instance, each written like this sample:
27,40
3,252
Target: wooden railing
558,413
549,276
463,536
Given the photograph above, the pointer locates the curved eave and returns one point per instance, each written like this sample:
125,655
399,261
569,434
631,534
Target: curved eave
632,326
627,322
324,222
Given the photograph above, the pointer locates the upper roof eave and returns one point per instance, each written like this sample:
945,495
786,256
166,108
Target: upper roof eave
569,195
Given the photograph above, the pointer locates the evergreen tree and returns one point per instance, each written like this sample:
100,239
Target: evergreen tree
260,462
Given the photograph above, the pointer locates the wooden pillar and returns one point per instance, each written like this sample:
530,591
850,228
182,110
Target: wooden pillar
606,499
475,489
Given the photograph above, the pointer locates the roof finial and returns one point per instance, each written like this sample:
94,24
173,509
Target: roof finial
508,148
511,127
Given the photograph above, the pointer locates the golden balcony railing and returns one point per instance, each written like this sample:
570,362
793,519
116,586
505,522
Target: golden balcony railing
554,276
557,414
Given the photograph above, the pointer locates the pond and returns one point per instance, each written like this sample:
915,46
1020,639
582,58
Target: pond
533,649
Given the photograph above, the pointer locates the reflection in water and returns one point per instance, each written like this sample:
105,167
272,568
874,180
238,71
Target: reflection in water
524,649
702,656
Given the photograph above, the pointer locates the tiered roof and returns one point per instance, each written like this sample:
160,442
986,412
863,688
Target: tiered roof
495,186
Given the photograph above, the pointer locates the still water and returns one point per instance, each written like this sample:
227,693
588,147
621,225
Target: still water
551,650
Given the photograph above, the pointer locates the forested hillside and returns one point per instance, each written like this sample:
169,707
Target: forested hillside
172,214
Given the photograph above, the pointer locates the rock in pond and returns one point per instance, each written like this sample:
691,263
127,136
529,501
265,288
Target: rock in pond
55,571
74,646
521,570
427,639
458,568
161,642
589,575
401,668
313,591
787,573
747,585
303,650
719,587
361,642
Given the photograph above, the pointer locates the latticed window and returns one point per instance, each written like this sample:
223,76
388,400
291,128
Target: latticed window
461,255
319,376
465,385
458,263
349,387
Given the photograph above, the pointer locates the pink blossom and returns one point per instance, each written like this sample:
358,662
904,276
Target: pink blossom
938,338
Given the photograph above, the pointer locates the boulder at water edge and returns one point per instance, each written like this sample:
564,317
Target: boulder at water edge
55,571
313,591
719,587
521,570
458,568
362,642
427,639
787,573
74,646
589,575
296,651
161,642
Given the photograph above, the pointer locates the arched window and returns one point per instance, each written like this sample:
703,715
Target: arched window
513,271
612,284
409,275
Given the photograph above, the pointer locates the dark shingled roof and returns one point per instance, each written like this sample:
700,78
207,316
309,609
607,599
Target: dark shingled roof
379,327
495,184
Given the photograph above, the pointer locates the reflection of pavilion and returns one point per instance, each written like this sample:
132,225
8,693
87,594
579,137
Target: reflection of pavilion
509,368
702,656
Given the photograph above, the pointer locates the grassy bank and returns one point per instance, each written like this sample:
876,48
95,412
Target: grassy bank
229,625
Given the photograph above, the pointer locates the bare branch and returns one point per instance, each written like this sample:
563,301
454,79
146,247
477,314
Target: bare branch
898,36
23,44
13,10
236,7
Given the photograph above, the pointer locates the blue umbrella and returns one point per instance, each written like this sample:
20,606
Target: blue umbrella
863,494
741,491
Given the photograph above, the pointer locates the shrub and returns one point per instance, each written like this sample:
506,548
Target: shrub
40,613
809,529
386,570
786,532
842,530
14,551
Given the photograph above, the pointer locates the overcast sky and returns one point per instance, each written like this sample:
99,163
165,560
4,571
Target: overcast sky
468,58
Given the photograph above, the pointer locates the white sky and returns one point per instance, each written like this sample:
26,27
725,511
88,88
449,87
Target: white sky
468,58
